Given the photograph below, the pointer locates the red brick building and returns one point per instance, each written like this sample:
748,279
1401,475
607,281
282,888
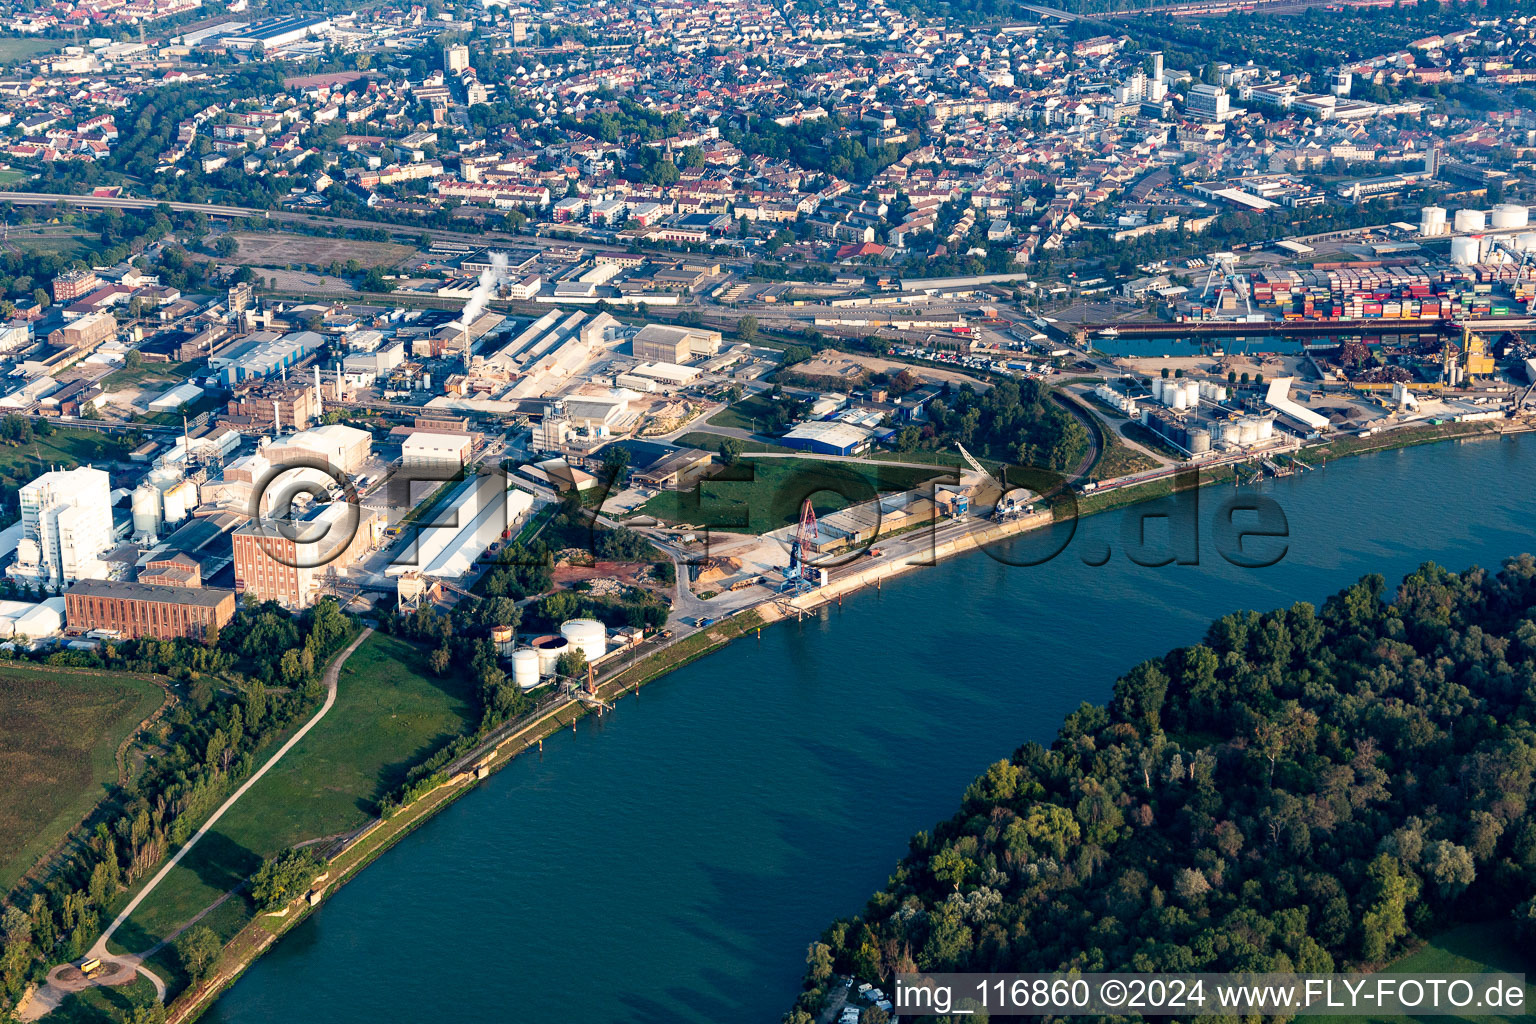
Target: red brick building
145,609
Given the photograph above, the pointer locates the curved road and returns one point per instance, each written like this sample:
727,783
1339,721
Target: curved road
45,1000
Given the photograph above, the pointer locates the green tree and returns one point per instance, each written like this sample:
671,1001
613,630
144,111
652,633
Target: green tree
198,948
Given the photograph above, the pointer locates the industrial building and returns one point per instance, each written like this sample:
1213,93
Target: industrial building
287,560
146,610
664,343
478,513
828,438
676,469
262,354
275,33
435,451
340,447
85,333
66,518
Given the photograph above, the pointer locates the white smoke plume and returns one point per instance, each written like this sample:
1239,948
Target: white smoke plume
490,279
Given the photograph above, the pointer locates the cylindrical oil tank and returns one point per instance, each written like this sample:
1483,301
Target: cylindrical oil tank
1464,251
1176,398
146,509
1247,430
525,668
1191,393
1470,220
1199,441
588,636
504,637
1266,428
1432,220
1157,388
1510,215
549,649
1526,242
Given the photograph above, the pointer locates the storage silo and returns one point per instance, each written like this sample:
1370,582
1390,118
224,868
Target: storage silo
179,501
1191,393
1432,220
1468,221
1464,251
146,510
525,668
1157,388
1176,398
505,639
1510,215
549,649
588,636
1199,441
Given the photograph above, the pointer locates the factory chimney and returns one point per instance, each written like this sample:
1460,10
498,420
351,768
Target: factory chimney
319,394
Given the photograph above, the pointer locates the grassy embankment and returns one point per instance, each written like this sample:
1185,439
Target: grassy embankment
759,495
390,713
1486,948
59,734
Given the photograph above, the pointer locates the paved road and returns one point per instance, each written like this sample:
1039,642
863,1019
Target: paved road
134,962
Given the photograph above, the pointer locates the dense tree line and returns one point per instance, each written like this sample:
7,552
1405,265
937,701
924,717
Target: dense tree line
1308,789
239,689
1013,421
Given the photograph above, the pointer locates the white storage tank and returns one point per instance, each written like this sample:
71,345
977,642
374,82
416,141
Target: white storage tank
1266,428
1157,388
1510,215
1191,393
1432,220
1199,441
146,510
1470,220
1247,430
588,636
1464,251
549,649
1526,241
1176,398
180,500
525,668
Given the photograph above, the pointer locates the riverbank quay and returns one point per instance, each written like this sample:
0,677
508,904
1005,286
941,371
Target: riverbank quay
638,669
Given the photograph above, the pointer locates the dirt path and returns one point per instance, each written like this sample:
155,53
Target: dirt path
61,982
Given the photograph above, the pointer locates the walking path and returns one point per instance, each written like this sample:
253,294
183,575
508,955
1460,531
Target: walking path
67,978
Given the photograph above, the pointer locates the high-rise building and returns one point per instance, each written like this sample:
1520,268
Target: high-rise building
455,58
1208,101
66,521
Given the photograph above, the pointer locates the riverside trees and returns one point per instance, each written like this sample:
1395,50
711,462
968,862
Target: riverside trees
1305,790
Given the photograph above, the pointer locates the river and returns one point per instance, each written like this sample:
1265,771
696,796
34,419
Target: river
670,861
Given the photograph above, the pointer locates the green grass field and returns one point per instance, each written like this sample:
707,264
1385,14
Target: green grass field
711,443
147,375
103,1005
1487,948
741,415
59,733
12,177
758,495
22,47
390,713
65,448
66,240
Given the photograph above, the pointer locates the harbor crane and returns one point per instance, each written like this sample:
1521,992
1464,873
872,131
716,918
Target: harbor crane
800,577
1223,275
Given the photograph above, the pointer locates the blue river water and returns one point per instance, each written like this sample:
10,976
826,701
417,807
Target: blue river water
671,861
